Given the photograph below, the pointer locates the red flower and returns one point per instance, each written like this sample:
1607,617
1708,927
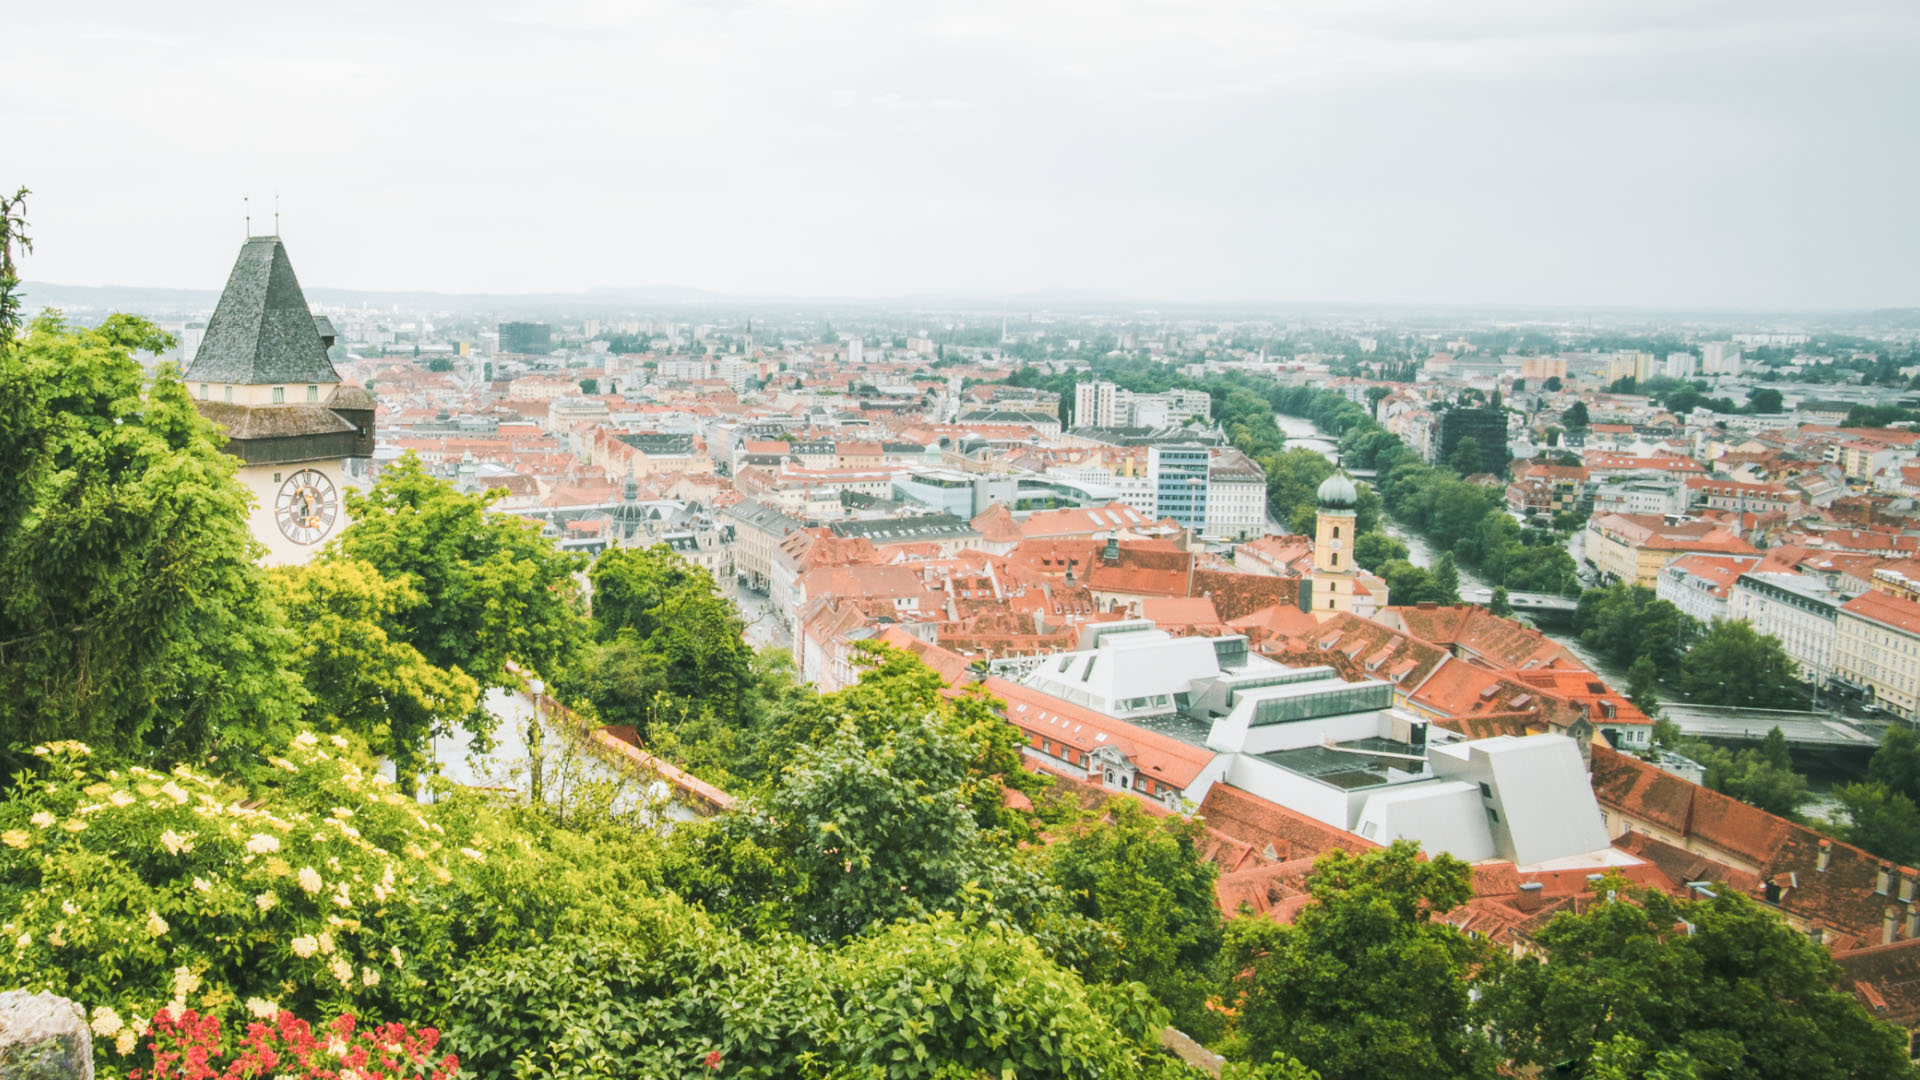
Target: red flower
713,1061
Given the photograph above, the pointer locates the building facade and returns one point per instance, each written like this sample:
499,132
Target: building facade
1799,610
1179,477
261,374
1877,646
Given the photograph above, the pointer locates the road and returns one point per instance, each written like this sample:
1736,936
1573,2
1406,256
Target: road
764,624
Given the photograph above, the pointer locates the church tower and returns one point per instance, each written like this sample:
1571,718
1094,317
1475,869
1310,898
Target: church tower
261,374
1333,568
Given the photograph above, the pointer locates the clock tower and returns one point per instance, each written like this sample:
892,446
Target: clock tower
1333,568
262,376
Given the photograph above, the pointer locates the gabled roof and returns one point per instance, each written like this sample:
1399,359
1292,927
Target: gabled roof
262,330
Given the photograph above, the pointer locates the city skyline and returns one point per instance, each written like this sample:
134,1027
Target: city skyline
1742,157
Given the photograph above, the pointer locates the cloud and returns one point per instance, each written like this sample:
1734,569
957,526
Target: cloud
1642,152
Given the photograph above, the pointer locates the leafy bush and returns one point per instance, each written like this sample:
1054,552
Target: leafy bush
133,890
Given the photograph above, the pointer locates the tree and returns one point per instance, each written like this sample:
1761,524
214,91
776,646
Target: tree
1720,980
1444,581
1552,385
1764,399
1142,878
1575,418
438,363
590,387
13,230
1732,664
1896,765
360,679
132,614
492,589
1499,604
1406,583
1643,682
1466,457
1625,622
1365,982
1375,395
1372,549
1881,820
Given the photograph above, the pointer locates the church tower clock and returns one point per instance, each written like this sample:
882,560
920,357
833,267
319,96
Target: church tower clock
262,375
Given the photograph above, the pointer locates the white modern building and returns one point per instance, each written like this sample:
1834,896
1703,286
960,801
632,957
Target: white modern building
1799,610
1304,738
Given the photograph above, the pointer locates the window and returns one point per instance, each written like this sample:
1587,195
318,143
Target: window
203,391
1485,791
279,395
1493,815
1336,532
1336,557
313,393
229,393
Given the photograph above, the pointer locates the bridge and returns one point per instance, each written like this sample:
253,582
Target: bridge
1809,730
1541,604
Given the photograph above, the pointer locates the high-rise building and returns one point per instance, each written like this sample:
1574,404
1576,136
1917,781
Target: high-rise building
1720,358
1179,477
1487,427
526,337
262,375
854,348
1679,365
1095,404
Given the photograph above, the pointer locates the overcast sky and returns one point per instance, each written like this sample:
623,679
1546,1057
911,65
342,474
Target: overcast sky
1667,153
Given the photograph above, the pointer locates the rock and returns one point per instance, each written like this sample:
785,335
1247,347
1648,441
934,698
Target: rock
43,1037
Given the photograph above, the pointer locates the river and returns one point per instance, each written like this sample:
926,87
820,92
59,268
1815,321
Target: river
1302,432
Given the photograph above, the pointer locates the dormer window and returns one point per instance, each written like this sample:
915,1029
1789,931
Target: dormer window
279,395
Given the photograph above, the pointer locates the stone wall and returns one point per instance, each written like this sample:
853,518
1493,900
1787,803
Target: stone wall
43,1037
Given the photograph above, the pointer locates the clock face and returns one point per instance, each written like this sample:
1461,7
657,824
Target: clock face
306,507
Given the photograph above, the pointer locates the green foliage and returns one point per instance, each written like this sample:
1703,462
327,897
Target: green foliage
1722,984
1373,549
1366,983
1763,777
492,588
1881,820
1764,399
1576,417
1142,878
671,647
438,363
1878,416
1643,686
320,891
131,612
1626,622
590,387
358,677
1732,664
1443,581
1499,603
13,230
1466,456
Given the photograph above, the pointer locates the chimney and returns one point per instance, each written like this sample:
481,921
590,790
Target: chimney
1305,595
1532,895
1913,923
1883,880
1906,884
1112,554
1826,855
1889,920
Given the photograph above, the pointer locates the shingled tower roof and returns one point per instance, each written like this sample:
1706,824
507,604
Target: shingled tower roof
262,330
